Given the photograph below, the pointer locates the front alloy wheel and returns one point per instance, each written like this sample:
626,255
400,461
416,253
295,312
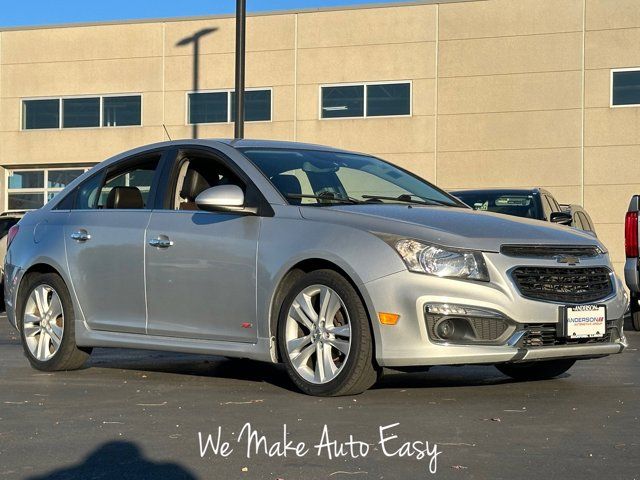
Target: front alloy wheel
318,334
324,336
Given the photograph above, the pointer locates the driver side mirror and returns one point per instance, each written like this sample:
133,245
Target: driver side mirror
563,218
223,198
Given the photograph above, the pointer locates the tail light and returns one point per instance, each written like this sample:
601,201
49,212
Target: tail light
631,234
13,231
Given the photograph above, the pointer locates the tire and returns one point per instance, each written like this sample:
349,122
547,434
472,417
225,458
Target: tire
540,370
634,311
40,345
342,373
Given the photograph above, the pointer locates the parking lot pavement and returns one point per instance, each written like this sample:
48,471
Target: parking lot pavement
138,414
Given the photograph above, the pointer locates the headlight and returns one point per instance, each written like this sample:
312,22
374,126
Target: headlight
442,262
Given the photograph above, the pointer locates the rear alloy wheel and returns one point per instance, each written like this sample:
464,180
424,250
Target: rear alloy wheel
46,321
540,370
325,337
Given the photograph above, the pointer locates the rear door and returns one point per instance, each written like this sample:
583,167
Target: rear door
104,239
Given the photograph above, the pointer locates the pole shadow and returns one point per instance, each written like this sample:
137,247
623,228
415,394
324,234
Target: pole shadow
195,40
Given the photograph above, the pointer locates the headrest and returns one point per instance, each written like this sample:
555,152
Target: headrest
288,184
125,197
194,184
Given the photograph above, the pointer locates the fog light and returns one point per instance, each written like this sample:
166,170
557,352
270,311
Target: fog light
445,329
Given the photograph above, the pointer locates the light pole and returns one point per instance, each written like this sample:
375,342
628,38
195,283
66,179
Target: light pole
241,22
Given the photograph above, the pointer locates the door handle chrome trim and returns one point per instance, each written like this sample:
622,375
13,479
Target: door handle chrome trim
161,242
81,236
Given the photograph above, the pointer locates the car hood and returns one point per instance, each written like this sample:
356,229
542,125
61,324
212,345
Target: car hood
452,227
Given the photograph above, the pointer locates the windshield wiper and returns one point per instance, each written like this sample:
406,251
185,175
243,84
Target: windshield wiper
409,199
325,196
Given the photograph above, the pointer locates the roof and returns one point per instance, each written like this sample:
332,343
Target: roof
232,15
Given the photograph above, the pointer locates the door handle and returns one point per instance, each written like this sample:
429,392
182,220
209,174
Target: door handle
81,236
162,241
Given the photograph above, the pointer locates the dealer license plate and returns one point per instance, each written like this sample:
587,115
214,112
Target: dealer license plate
585,321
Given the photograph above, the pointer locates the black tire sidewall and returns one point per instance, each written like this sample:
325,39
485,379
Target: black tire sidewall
361,345
68,344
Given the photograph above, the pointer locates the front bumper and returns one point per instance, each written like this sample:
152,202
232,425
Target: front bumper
408,343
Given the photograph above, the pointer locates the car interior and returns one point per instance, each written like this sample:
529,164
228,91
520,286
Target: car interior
195,175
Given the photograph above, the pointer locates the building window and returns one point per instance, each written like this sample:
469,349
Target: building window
365,100
257,106
30,189
625,87
347,101
40,114
82,112
218,107
125,111
208,107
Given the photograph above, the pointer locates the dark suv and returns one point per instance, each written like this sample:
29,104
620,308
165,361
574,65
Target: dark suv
535,203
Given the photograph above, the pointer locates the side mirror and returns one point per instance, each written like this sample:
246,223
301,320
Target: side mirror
222,198
563,218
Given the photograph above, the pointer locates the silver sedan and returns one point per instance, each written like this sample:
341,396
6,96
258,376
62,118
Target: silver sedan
335,263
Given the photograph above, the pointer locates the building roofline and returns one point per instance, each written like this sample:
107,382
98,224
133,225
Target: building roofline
365,6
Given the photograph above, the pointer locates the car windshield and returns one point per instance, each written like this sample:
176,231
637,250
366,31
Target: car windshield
325,178
516,204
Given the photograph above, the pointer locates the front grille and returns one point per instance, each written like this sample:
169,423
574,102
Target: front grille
550,251
545,335
568,285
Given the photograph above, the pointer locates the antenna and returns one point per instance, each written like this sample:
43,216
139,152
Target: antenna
166,131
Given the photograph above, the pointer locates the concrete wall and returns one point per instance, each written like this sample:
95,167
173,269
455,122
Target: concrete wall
505,92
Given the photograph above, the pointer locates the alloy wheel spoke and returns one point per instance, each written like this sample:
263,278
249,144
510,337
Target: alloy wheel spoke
302,358
40,296
304,300
320,363
298,314
341,345
43,345
297,344
341,331
55,307
55,338
31,325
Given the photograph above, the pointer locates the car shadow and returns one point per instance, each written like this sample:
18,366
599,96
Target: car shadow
118,460
261,372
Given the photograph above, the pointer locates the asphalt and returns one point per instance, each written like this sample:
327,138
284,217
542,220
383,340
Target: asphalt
138,414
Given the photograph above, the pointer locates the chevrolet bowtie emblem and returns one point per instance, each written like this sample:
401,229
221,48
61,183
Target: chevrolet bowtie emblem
568,259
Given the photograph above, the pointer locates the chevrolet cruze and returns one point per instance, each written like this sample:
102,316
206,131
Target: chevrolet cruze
334,263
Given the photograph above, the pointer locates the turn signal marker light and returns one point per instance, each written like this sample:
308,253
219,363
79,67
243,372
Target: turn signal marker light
388,318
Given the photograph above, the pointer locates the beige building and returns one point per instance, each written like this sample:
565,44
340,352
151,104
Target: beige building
467,94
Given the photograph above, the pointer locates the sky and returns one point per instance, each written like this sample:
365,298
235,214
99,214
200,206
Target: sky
14,13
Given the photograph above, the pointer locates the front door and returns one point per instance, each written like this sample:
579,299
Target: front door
201,266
